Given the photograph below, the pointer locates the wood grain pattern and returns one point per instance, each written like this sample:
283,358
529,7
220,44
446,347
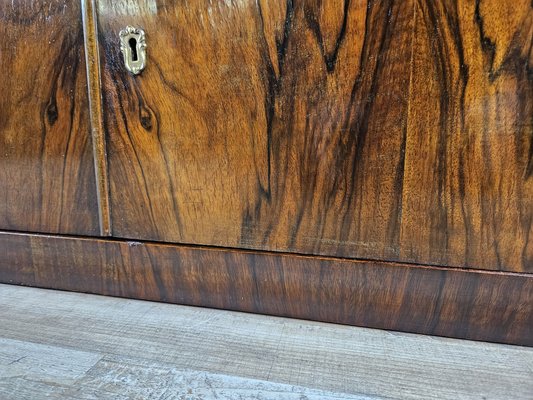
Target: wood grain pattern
480,305
272,125
46,166
324,128
468,185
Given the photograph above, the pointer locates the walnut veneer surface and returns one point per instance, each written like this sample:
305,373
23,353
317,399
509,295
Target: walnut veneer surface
391,140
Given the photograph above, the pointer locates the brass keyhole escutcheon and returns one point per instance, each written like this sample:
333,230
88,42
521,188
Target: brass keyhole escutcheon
133,48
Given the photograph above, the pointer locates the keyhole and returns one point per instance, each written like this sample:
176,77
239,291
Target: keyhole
133,49
133,45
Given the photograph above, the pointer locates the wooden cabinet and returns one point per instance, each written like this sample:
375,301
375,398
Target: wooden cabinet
366,162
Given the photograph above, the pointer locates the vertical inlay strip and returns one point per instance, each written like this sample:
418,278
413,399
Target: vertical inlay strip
90,33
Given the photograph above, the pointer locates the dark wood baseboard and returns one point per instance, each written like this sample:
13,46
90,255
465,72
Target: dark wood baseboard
469,304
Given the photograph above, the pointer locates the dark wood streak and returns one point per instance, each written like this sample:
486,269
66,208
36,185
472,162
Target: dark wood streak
273,84
358,125
470,128
272,88
330,59
480,305
46,175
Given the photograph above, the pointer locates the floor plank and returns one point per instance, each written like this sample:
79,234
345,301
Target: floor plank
119,378
118,347
30,370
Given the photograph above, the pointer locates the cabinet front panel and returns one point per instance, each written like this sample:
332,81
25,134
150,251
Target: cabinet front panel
394,130
46,165
261,124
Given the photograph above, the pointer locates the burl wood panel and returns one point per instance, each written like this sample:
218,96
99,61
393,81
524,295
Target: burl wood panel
393,130
46,165
482,305
468,185
273,125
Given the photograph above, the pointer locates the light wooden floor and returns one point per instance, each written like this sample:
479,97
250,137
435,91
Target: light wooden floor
73,346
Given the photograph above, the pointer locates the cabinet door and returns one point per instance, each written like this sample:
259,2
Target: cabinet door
273,125
46,168
367,129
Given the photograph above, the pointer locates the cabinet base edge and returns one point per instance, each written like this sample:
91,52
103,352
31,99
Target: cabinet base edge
466,304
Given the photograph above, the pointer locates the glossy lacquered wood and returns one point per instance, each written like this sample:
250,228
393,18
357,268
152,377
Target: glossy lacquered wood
46,165
468,182
480,305
392,130
274,124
